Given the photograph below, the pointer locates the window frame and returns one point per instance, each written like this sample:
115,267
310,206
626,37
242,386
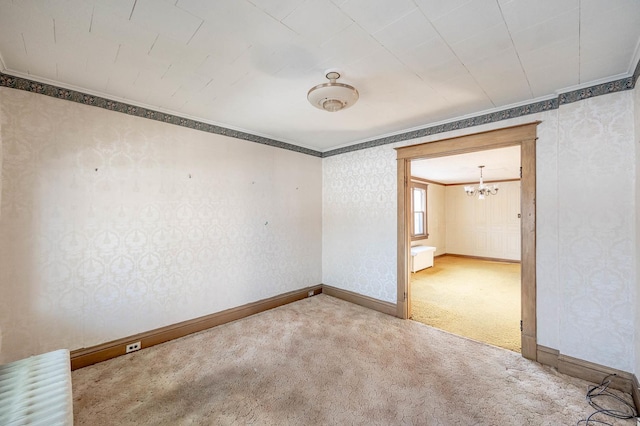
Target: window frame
418,184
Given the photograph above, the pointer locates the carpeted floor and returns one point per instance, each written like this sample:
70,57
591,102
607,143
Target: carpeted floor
323,361
474,298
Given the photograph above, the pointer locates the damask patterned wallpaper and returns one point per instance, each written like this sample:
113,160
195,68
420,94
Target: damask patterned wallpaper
360,210
1,293
359,222
113,225
596,229
636,109
586,271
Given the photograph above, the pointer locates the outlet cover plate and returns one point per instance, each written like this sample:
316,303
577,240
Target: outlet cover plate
131,347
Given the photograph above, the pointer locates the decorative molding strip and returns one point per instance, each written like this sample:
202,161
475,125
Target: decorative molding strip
586,370
597,90
359,299
92,355
547,356
635,392
564,98
490,259
636,74
87,356
20,83
570,366
492,117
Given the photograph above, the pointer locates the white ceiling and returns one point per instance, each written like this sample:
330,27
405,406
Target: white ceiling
248,64
499,165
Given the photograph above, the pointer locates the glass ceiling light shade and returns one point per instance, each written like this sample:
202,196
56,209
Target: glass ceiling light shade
332,96
482,190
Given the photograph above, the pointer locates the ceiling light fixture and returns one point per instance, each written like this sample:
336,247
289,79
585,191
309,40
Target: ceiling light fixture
332,96
482,189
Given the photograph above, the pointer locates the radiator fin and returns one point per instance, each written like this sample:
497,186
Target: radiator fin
37,391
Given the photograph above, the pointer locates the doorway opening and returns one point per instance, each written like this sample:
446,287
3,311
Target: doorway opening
523,136
472,286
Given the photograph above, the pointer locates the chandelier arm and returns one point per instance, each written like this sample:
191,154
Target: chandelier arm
482,190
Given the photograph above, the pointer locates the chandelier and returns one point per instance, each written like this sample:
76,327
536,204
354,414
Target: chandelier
482,189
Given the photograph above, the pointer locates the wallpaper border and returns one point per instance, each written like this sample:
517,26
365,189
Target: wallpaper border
454,125
20,83
627,83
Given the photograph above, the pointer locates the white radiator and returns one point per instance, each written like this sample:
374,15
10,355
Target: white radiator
421,257
37,391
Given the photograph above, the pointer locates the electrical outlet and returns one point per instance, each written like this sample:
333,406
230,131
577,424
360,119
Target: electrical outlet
310,293
132,347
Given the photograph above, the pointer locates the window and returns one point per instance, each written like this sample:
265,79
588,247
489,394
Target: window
419,228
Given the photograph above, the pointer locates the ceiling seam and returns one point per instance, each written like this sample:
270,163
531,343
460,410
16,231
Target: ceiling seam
405,65
93,11
133,8
515,50
579,41
456,56
196,31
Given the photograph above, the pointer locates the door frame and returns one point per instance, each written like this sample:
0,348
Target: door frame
525,136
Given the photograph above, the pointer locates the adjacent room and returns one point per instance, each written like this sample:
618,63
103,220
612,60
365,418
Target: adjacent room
467,214
206,217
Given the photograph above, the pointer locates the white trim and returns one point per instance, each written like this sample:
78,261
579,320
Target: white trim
594,83
556,94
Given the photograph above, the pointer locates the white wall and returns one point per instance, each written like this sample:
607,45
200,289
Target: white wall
345,256
89,256
359,222
459,224
1,157
636,110
585,226
484,228
596,229
113,225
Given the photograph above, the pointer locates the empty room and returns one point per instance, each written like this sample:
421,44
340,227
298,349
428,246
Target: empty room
465,264
207,210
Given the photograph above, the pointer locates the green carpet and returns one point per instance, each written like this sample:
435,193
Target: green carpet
473,298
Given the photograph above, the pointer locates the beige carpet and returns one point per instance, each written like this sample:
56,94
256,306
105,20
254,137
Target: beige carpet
323,361
474,298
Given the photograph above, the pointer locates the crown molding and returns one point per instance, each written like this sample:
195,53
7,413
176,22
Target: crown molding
457,124
16,80
577,93
444,122
598,89
572,94
634,65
